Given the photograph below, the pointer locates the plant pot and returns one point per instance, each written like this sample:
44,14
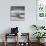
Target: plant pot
40,41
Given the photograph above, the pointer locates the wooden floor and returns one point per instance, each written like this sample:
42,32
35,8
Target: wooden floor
13,44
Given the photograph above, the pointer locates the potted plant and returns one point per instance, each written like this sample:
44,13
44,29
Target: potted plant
39,35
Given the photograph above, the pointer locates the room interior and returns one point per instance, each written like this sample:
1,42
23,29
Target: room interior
22,22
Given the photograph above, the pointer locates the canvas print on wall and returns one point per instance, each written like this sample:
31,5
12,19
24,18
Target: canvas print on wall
17,13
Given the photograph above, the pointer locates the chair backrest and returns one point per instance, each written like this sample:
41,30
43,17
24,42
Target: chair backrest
24,37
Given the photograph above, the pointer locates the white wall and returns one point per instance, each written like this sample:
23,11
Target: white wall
30,15
4,15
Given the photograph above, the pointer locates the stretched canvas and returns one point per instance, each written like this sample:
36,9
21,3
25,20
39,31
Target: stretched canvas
17,13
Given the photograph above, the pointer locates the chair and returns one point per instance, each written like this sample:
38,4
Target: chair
25,37
7,35
14,32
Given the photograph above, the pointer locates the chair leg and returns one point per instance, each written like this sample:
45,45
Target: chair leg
17,41
5,39
5,43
